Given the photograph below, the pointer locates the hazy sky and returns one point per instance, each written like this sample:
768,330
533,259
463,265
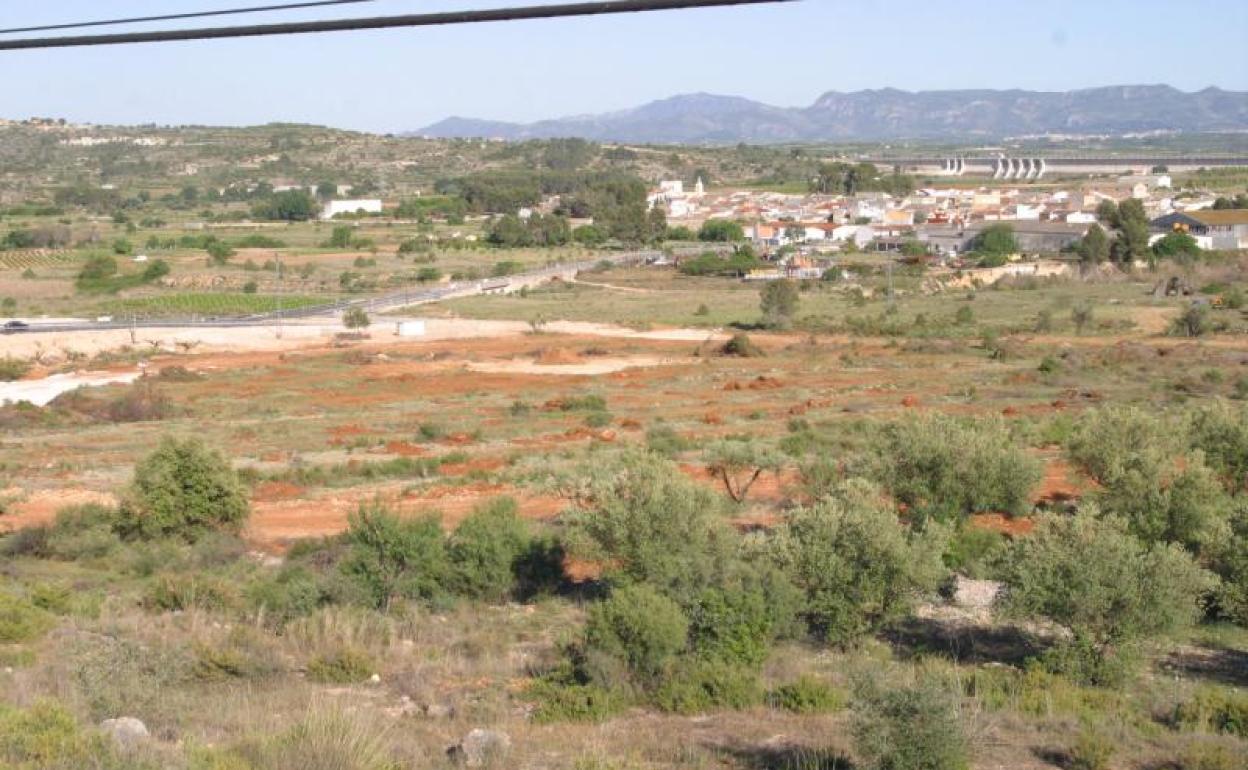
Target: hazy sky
787,55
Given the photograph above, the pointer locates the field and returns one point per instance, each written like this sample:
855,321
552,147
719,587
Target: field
896,518
445,425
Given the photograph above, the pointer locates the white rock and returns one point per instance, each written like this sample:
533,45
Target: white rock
479,747
126,732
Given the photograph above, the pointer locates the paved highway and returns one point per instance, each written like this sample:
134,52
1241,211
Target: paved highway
378,303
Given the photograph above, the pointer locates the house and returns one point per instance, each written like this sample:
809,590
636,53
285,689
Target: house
366,205
1225,229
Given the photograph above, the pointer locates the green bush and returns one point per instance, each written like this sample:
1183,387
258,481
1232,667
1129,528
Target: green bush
394,558
1215,710
244,654
348,665
807,695
21,621
83,532
634,510
664,440
733,626
972,550
184,490
1148,477
292,593
485,550
857,565
945,467
1091,575
640,627
1091,750
13,369
1220,430
185,591
570,702
46,737
741,346
696,686
912,728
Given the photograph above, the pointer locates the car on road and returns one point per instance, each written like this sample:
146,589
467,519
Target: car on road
15,326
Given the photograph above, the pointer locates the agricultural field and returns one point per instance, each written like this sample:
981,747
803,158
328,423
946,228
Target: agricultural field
594,521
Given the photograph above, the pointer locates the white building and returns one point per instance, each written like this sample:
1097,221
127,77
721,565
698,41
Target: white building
334,208
1080,218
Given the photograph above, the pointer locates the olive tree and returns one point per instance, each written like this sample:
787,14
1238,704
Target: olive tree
857,564
183,489
1088,573
778,302
394,558
946,467
1148,475
739,463
650,524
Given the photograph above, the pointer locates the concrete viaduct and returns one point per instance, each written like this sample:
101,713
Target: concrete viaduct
1033,167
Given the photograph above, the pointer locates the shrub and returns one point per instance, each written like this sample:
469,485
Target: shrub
394,558
734,626
325,739
739,463
665,441
639,627
1215,710
1220,430
741,346
806,695
47,736
971,550
1147,477
778,302
83,532
355,318
857,565
1091,575
185,591
348,665
633,510
598,419
570,702
1192,322
697,686
183,489
485,550
13,369
291,593
912,728
244,654
21,621
945,467
1091,750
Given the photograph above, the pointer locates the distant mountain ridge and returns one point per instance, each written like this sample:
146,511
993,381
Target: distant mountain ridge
886,114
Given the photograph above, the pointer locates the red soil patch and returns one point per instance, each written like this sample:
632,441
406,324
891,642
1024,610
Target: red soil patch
268,491
997,522
910,402
1061,483
40,507
275,524
342,431
404,448
482,464
629,423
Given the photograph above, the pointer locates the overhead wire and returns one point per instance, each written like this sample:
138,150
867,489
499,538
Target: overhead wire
188,15
377,22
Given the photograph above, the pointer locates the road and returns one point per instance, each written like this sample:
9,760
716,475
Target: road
379,303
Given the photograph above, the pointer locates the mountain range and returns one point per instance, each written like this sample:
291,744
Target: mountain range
886,114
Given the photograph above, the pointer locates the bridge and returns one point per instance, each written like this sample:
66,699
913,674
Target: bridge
1033,166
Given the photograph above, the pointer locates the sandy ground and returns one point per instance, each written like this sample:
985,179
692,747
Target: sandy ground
590,367
40,391
302,334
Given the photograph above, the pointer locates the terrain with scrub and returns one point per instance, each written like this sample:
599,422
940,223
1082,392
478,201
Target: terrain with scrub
621,523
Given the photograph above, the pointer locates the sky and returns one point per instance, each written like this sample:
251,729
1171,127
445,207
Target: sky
786,55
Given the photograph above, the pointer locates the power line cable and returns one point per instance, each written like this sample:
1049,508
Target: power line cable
195,15
377,22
